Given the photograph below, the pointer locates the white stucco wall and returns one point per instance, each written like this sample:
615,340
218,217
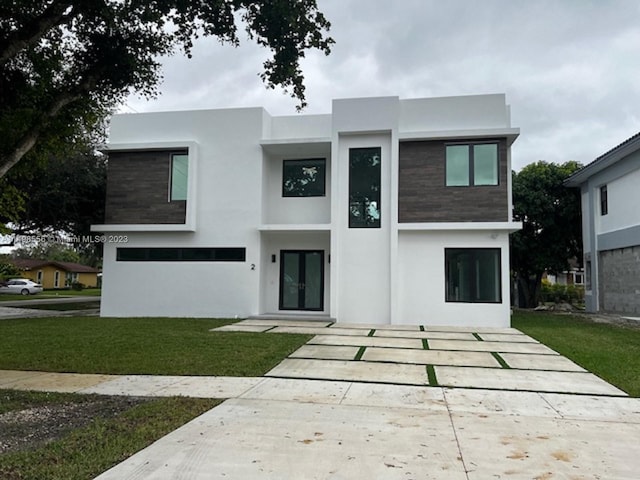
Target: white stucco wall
421,263
293,210
375,275
363,254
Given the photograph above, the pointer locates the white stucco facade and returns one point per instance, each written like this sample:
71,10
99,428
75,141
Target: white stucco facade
393,273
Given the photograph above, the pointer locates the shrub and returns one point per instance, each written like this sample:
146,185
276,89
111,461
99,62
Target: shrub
558,293
77,286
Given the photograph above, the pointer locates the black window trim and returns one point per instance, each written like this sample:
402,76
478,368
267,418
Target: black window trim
446,275
470,144
173,153
301,160
146,254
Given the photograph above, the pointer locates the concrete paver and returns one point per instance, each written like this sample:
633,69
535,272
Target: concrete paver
605,409
299,390
430,357
497,446
285,323
415,343
533,380
352,371
505,402
262,439
395,396
513,347
166,386
326,352
504,337
432,335
319,331
234,327
534,361
376,326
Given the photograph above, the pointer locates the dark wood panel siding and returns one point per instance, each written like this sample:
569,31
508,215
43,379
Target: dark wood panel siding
423,196
138,189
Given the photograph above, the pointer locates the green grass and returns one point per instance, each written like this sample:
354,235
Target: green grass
160,346
610,351
63,307
92,292
88,451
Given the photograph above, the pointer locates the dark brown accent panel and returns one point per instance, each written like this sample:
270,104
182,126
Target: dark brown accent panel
138,189
423,196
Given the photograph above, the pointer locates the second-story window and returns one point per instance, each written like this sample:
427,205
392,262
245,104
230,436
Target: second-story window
604,200
471,164
364,187
179,176
304,178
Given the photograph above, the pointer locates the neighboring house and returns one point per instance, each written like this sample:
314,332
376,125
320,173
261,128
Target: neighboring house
383,211
573,276
52,274
611,228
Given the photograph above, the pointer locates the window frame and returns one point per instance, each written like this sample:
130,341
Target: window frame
182,254
172,156
377,222
301,161
471,163
473,275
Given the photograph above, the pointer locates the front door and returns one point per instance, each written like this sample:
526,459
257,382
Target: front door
301,280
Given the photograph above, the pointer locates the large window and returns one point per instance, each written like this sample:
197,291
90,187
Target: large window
471,164
181,254
304,178
364,187
473,275
179,176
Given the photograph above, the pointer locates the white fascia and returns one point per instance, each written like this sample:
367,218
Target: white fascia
190,216
510,133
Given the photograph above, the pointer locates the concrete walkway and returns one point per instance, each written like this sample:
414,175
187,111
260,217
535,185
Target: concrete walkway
361,402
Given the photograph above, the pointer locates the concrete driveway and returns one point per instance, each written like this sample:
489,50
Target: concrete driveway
372,402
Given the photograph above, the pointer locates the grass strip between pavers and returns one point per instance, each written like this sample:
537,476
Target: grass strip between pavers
431,374
360,353
372,332
478,337
500,360
425,344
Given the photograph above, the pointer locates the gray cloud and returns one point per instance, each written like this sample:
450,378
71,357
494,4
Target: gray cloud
570,68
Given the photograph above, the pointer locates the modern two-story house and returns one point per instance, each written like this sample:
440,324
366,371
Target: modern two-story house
383,211
611,228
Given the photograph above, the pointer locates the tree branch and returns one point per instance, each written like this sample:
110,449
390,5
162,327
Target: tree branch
33,31
30,137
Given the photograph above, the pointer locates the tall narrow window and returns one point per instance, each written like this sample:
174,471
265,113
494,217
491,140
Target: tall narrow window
604,200
364,187
179,176
473,275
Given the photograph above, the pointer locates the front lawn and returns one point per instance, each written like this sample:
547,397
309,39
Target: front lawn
97,433
610,351
155,346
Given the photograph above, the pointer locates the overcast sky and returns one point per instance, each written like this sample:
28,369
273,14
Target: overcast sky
570,68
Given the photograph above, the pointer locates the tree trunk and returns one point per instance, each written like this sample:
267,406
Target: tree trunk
529,290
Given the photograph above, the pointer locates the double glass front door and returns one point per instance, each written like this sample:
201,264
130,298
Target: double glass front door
301,280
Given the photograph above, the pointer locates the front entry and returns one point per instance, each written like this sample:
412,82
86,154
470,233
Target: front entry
301,280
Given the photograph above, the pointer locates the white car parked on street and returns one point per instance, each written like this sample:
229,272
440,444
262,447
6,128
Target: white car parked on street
20,286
